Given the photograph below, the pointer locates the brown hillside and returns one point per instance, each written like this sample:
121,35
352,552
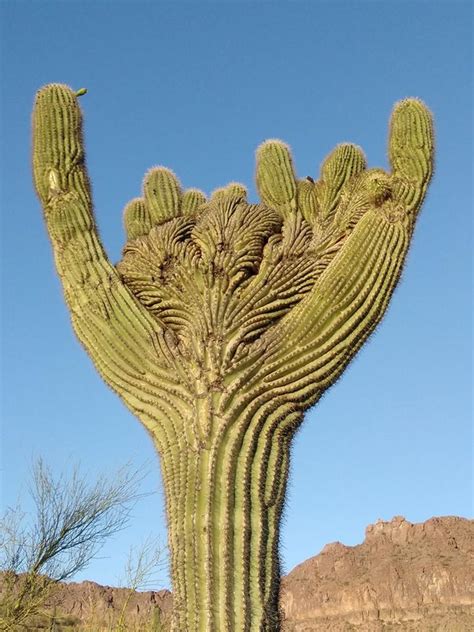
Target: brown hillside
403,577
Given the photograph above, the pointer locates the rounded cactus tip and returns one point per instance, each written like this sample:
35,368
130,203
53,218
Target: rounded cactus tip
272,145
159,173
350,148
234,190
411,124
160,169
410,102
81,92
54,91
412,105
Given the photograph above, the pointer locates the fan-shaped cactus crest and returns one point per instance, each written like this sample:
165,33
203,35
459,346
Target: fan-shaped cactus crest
223,322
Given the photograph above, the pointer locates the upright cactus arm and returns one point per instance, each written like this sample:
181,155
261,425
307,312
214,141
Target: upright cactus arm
374,215
129,347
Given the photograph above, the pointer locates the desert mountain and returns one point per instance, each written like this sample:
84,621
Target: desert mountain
403,577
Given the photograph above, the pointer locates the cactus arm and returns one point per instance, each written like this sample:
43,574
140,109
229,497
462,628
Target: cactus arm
411,154
308,349
126,344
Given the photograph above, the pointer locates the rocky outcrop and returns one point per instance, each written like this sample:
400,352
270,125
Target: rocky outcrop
87,602
404,576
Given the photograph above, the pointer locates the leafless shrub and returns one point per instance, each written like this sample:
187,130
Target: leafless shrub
72,521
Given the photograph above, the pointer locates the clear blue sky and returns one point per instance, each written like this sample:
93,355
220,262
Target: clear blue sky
197,86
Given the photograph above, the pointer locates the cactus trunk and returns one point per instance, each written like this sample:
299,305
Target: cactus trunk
223,533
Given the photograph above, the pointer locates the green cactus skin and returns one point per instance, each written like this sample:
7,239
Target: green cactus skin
224,322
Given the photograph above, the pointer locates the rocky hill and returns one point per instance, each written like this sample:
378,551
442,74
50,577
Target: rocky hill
403,577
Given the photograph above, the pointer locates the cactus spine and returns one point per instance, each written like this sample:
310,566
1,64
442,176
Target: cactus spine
223,322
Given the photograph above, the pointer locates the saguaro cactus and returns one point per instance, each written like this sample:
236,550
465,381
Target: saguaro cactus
223,322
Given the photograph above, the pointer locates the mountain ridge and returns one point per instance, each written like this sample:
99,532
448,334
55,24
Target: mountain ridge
416,575
403,577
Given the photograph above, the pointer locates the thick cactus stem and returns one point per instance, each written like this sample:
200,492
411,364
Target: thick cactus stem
223,323
411,147
342,164
308,201
58,157
192,200
276,181
162,193
137,219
